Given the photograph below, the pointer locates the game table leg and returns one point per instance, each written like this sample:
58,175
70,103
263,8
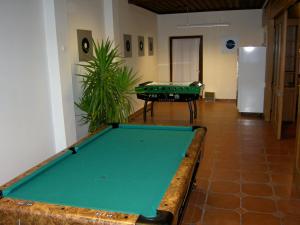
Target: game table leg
191,111
152,105
145,110
195,109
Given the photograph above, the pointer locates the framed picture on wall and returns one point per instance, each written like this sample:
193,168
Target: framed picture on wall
127,46
150,46
141,46
85,44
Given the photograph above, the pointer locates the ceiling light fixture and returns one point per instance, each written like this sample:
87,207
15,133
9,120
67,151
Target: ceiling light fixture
205,25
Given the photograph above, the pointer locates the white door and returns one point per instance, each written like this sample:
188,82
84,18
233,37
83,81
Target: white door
185,59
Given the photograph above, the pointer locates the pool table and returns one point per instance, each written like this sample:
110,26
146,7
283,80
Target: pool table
122,174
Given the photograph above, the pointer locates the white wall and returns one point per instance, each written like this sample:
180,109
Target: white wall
136,21
219,69
111,19
64,50
84,15
59,68
26,135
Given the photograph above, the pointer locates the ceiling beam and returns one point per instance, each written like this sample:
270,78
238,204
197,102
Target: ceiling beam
179,6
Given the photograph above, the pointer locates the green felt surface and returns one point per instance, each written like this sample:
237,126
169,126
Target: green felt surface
176,89
127,169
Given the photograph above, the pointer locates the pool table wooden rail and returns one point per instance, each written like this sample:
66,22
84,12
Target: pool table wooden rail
23,212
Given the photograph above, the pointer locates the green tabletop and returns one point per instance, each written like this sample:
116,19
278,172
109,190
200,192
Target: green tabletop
125,169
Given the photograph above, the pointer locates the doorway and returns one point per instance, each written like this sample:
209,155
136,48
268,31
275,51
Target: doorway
280,27
285,75
186,59
290,78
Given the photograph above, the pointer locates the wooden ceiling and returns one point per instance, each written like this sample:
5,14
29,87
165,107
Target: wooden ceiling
183,6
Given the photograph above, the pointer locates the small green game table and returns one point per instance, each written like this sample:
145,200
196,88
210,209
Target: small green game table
123,174
170,92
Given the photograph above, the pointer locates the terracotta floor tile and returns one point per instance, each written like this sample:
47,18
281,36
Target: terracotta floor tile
291,220
192,215
227,164
277,151
254,167
197,216
206,164
197,198
223,201
253,158
289,207
202,184
221,217
283,191
235,156
229,148
279,158
285,179
259,219
282,164
257,189
203,174
226,175
258,204
255,177
252,150
281,168
187,217
224,187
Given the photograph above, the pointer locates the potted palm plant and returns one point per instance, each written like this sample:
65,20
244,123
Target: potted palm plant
107,87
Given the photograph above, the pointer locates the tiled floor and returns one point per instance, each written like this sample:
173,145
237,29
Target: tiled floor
246,176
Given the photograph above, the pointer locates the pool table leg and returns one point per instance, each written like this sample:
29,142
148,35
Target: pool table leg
162,218
191,111
145,111
195,109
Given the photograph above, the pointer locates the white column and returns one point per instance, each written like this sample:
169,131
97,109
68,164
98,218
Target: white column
54,75
111,20
60,78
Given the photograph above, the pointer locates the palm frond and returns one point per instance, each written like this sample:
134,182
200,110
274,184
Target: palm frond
107,87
